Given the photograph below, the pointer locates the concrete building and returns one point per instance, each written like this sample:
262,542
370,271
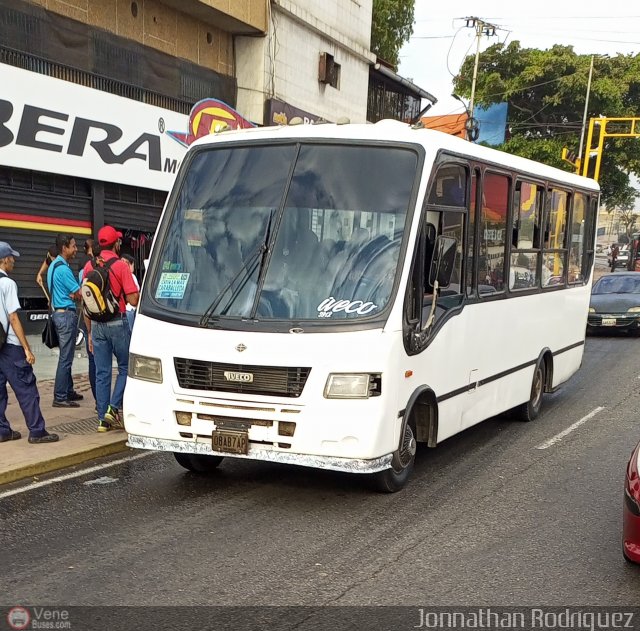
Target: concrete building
314,62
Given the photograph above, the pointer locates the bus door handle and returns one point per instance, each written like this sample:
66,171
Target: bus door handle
473,380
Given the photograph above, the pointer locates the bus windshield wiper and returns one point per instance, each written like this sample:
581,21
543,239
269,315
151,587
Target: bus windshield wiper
246,268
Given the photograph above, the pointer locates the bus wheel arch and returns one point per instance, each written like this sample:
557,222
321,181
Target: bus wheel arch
422,408
547,356
541,383
419,424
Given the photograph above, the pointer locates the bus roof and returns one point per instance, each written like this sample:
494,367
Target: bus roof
396,131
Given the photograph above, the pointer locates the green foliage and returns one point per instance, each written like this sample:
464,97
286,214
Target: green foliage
546,90
391,27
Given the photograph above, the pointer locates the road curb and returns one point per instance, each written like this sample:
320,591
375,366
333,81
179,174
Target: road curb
62,462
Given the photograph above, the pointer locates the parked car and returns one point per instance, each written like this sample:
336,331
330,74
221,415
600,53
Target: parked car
615,303
631,510
621,260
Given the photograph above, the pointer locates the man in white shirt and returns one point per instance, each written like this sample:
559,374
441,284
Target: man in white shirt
16,360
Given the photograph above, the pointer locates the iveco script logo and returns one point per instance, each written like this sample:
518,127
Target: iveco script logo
242,377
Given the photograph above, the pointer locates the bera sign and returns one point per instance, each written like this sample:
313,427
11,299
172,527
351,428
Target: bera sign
92,134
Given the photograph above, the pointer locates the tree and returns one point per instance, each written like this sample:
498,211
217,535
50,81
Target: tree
628,219
391,27
546,90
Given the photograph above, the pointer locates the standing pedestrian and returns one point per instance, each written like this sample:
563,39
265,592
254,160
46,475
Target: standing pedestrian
65,292
16,360
89,245
131,310
615,250
111,338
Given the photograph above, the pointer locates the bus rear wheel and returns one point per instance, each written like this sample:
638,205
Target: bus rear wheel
198,463
531,409
395,478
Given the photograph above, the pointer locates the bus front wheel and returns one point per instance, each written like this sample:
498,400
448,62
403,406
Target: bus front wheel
529,411
395,478
197,463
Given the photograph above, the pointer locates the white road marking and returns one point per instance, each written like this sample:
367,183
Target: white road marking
105,479
558,437
75,474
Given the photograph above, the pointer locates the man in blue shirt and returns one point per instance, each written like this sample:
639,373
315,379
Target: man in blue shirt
65,293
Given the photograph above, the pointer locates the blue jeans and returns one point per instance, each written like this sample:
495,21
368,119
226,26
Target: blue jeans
66,323
92,361
131,316
110,339
15,369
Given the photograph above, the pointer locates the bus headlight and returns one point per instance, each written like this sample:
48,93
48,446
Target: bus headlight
145,368
592,310
634,310
352,386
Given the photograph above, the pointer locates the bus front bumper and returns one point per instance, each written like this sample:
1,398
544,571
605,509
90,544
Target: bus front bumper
347,465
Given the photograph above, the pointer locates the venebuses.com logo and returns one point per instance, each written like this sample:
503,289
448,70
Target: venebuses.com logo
21,618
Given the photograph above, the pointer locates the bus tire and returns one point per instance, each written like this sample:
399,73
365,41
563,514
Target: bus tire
198,463
396,477
530,410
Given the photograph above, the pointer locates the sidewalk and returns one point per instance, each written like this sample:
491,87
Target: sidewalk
79,440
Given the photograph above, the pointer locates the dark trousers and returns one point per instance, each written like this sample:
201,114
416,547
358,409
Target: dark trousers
15,370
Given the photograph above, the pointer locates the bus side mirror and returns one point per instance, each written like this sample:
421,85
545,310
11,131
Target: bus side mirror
443,261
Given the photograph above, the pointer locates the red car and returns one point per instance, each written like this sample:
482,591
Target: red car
631,512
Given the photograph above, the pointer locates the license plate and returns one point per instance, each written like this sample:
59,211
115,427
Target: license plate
608,321
230,442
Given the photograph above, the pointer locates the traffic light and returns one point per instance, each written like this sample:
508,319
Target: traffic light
570,157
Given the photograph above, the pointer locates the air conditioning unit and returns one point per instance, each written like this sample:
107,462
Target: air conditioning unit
328,69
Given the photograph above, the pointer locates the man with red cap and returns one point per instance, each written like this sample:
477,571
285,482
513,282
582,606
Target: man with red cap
111,338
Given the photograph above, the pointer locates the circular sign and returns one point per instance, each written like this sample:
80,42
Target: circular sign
18,618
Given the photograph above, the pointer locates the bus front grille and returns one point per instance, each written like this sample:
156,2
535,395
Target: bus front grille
281,381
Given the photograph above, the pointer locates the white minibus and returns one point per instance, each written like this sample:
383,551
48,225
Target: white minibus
329,295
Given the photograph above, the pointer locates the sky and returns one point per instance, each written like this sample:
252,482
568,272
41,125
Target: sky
441,40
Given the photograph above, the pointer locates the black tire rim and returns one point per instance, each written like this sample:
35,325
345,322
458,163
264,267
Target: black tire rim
407,449
537,389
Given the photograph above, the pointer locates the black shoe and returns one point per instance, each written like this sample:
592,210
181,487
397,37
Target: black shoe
75,397
11,436
65,404
47,438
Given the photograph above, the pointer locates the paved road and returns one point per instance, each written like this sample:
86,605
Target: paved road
488,519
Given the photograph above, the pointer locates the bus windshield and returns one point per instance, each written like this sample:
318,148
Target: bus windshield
285,232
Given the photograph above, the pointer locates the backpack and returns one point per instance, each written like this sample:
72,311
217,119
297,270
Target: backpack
100,304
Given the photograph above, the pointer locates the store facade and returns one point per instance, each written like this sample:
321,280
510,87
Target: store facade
73,158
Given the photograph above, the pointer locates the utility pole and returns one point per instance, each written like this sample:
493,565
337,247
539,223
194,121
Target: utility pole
482,28
584,117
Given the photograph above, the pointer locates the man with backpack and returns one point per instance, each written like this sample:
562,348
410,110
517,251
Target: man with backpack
107,287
